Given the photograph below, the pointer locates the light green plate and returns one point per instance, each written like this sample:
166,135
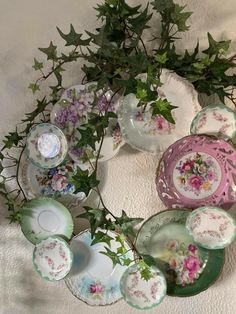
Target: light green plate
43,217
188,268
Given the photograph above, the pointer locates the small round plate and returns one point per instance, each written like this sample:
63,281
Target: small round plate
197,170
155,134
53,182
52,258
93,279
143,294
188,269
218,120
46,145
43,217
72,111
211,227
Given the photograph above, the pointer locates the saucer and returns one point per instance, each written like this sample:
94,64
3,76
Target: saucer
188,269
93,279
43,217
211,227
46,145
155,134
218,120
52,258
140,293
197,170
53,182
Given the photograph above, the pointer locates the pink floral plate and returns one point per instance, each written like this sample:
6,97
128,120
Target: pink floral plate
140,293
52,258
218,120
72,111
197,170
154,134
93,279
211,227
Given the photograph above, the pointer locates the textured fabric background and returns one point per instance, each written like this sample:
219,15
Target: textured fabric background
127,181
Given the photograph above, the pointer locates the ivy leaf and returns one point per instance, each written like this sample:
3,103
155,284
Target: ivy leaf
146,273
163,107
127,261
50,51
96,218
1,169
41,105
73,38
12,139
84,182
179,17
149,260
216,47
1,156
37,65
87,138
121,250
127,224
113,256
34,87
162,5
101,237
139,23
162,58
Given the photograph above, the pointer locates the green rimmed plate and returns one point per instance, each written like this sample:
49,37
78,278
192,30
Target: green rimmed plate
43,217
52,258
188,268
46,145
211,227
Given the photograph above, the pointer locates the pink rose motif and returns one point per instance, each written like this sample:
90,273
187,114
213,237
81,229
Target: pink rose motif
192,248
211,176
162,125
195,181
192,264
173,245
188,165
59,182
96,288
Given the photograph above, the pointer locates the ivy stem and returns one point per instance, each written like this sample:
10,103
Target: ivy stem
17,173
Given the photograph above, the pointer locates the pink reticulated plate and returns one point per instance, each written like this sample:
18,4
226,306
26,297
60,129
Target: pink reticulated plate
197,170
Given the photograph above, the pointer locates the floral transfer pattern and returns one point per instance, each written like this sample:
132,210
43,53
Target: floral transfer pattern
185,262
56,180
196,174
116,135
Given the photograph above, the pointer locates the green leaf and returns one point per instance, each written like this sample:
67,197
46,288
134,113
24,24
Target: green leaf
1,169
121,238
149,260
180,18
216,47
96,218
127,224
50,51
12,139
87,138
101,237
73,38
162,5
37,65
121,250
127,261
1,156
162,58
84,182
113,256
146,273
139,22
163,107
34,87
41,106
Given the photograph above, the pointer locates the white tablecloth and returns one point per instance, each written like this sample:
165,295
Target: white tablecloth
128,180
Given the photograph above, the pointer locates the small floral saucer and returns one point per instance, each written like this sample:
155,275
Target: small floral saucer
197,170
143,294
211,227
52,258
43,217
53,182
218,120
188,269
155,134
46,145
72,111
93,279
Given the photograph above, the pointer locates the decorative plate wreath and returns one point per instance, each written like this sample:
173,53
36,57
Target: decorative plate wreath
113,57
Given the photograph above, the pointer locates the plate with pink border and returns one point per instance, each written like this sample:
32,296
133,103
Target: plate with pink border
197,170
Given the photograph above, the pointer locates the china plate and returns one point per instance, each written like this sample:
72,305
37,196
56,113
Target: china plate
52,258
211,227
218,120
140,293
92,278
197,170
43,217
188,269
154,135
72,111
46,145
53,182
